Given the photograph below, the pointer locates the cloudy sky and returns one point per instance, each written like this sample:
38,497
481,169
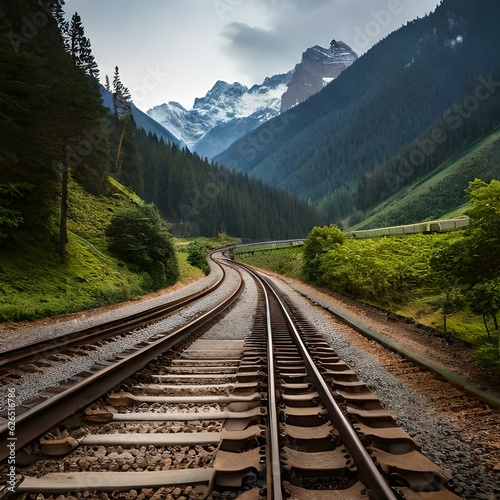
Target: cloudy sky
175,50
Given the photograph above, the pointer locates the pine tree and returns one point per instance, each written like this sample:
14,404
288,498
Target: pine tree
107,85
121,104
76,34
121,96
63,25
52,123
89,64
80,48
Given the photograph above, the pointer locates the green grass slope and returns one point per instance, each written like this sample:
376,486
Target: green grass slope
33,282
441,193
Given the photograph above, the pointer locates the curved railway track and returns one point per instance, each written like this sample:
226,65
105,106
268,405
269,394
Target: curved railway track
274,415
106,330
51,405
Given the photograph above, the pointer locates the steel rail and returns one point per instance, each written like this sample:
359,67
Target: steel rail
274,471
40,418
102,330
368,472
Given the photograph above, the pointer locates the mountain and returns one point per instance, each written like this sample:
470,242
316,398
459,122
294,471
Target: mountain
229,111
318,67
414,100
141,119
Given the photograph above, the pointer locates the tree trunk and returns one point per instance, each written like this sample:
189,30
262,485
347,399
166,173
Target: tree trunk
486,326
117,162
63,229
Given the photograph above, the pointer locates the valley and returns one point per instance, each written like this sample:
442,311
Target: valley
211,300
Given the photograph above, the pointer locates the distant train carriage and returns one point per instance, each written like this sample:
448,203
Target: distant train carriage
439,226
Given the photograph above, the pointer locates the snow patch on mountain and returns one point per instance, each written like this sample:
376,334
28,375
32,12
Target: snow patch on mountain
222,104
229,111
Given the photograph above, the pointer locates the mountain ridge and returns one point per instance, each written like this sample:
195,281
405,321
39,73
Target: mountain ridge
141,119
318,67
229,111
392,116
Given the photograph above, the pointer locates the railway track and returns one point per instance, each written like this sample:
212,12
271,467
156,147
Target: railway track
274,414
42,349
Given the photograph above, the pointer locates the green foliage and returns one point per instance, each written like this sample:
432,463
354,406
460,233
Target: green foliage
34,284
484,299
285,261
488,355
197,256
476,258
381,271
141,238
11,219
320,241
485,207
449,302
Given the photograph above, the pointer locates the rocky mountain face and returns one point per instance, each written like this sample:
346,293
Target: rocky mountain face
230,111
227,112
318,67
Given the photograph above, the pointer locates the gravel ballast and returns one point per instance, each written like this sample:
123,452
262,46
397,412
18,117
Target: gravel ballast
32,384
442,442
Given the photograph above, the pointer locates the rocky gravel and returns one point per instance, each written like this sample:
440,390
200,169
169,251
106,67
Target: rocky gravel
238,322
30,385
15,335
456,431
469,456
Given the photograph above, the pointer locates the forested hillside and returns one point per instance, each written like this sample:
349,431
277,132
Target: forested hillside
438,193
55,127
417,98
200,198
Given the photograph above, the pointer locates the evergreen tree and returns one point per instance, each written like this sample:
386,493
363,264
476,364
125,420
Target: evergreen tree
62,24
52,122
107,85
121,96
80,48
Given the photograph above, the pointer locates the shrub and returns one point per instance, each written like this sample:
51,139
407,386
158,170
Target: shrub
142,239
197,256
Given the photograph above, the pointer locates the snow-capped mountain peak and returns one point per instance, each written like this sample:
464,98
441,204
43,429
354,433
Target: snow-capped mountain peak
222,104
229,111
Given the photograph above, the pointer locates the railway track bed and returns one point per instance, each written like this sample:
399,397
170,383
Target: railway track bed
267,410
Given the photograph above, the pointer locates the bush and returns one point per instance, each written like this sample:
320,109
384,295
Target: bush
320,241
142,239
197,256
